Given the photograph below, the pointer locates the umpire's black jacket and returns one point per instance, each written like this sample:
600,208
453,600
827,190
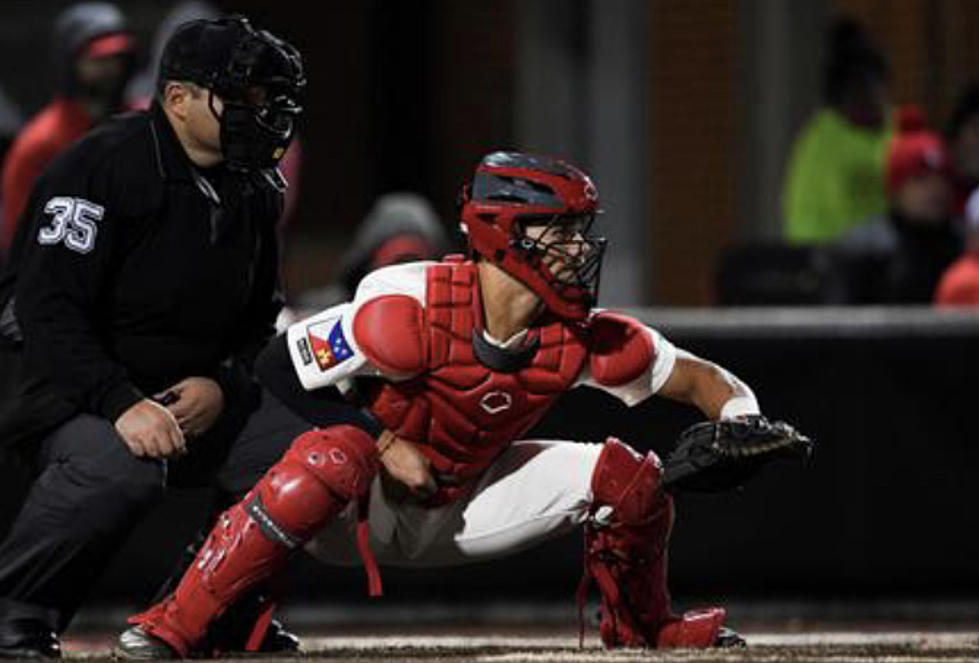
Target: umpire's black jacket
134,271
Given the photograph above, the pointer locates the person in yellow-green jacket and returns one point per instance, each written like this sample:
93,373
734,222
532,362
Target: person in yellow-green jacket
835,179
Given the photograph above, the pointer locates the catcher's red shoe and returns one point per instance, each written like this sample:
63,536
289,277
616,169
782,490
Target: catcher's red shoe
699,629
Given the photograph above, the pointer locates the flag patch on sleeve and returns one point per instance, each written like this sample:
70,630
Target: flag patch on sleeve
329,345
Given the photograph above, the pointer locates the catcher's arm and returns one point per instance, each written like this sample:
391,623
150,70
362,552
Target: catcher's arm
712,389
719,456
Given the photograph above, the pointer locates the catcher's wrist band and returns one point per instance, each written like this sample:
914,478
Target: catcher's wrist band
740,406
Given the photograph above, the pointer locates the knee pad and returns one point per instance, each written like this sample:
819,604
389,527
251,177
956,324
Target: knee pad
629,484
321,472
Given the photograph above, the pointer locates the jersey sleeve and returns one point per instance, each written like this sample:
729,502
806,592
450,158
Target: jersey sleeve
326,349
657,368
323,350
62,280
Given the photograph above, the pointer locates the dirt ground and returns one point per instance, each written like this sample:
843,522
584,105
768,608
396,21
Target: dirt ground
528,644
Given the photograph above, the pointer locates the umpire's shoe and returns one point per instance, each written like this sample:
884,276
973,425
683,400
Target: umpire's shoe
28,641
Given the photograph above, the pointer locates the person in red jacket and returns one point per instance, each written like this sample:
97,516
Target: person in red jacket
959,285
899,257
93,53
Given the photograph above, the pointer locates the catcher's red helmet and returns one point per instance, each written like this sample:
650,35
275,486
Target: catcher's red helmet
559,260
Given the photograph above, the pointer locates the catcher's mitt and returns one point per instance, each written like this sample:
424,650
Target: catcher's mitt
716,456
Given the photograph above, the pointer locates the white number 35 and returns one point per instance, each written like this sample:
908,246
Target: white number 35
73,221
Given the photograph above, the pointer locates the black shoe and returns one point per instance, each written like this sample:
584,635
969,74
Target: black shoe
137,644
230,633
278,640
28,639
728,637
230,638
41,646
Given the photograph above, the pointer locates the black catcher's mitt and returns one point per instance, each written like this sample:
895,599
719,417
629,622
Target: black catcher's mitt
717,456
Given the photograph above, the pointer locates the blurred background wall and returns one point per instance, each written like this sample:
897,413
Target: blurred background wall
684,112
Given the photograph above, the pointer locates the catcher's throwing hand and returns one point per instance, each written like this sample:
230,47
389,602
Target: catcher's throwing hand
716,456
407,472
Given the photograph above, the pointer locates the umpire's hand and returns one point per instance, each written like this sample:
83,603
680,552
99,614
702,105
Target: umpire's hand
197,403
149,429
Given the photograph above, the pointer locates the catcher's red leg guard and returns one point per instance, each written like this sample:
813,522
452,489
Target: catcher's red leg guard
320,474
625,552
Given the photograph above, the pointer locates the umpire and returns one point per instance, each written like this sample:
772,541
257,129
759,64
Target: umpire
142,283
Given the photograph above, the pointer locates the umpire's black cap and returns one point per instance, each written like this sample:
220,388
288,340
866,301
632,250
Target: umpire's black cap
227,55
199,51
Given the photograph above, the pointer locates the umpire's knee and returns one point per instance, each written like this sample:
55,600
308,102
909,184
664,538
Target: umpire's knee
90,462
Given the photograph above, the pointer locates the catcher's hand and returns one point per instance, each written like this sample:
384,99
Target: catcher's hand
717,456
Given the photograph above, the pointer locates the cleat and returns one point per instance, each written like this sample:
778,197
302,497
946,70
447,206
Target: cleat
28,640
234,630
137,645
231,640
278,640
729,638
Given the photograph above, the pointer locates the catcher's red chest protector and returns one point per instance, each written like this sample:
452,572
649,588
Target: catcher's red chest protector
459,411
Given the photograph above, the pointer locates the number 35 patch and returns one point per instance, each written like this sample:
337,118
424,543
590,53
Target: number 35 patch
73,221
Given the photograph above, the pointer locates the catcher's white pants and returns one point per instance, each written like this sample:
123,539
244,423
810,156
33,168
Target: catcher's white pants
534,491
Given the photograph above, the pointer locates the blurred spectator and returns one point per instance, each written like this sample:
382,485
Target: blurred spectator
960,283
834,178
898,257
401,227
962,134
11,120
93,57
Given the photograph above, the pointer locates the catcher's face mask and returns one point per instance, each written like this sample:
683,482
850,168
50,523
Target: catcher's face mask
564,251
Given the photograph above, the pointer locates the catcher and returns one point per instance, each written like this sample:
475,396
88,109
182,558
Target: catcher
456,360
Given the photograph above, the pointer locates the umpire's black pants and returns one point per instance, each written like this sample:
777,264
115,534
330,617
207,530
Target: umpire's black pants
91,491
